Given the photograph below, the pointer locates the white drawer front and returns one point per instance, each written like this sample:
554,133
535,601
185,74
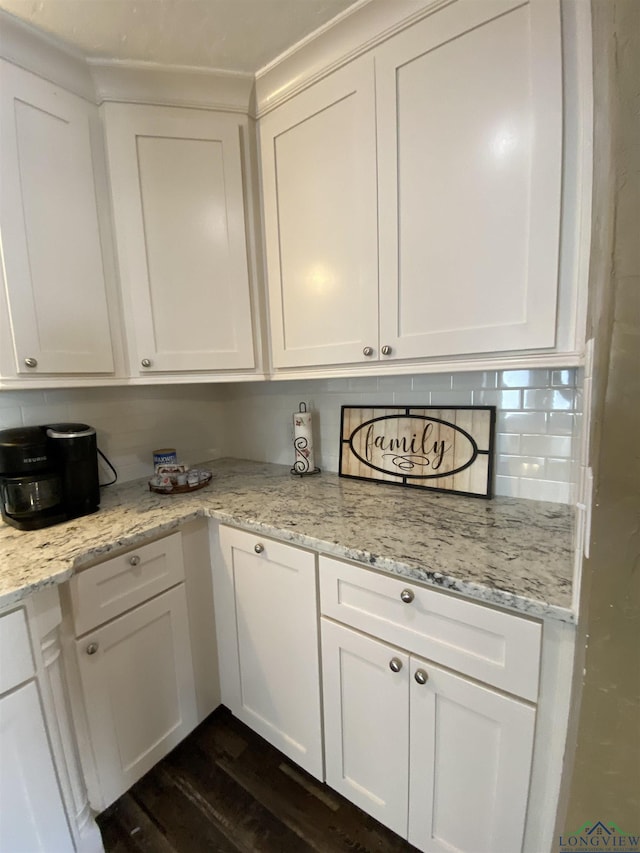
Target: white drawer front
16,660
110,588
489,645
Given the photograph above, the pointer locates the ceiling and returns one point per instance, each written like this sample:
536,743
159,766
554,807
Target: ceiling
235,35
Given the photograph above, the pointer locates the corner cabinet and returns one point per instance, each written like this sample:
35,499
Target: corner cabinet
177,192
412,198
51,239
438,757
267,622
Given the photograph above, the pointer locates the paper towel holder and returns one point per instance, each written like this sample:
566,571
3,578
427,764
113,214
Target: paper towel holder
301,466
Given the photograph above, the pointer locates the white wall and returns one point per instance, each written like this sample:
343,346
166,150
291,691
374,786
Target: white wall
131,422
539,413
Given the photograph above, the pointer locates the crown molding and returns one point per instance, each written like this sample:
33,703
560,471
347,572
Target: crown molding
44,55
357,30
171,85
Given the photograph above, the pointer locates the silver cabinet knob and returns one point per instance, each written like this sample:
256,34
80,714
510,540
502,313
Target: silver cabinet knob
395,664
146,362
92,648
421,676
31,362
407,596
386,350
258,548
134,561
367,351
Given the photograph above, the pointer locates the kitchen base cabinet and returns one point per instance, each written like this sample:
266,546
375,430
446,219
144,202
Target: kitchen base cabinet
267,622
131,662
43,798
436,757
469,764
137,682
33,817
366,719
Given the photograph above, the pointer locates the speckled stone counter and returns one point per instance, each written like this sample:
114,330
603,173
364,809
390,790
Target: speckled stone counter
509,552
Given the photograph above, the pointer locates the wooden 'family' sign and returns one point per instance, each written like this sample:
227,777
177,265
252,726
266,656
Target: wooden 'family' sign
445,449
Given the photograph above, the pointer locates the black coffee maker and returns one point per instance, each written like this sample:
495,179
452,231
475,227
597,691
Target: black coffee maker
48,474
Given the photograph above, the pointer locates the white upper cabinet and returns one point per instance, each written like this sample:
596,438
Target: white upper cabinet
177,188
457,151
51,242
319,191
469,159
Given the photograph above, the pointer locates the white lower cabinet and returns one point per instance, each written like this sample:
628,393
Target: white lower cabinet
32,813
138,687
135,672
267,621
438,757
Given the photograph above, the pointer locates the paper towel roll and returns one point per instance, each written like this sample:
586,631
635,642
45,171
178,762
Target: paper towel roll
303,441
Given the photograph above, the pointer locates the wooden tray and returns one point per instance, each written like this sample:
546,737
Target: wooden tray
181,490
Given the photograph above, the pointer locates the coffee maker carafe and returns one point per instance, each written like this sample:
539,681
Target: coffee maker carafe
48,474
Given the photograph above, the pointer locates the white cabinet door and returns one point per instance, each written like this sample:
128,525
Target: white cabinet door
176,181
469,765
319,188
366,718
469,156
138,688
50,234
267,618
32,816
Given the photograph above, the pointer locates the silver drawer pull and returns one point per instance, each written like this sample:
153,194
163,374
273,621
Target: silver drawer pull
134,561
258,548
92,648
395,664
407,596
421,676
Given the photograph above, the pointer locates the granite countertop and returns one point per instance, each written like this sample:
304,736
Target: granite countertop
509,552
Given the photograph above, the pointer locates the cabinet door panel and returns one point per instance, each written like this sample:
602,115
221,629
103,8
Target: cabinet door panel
179,216
275,687
470,762
138,690
470,182
32,816
50,234
319,182
366,718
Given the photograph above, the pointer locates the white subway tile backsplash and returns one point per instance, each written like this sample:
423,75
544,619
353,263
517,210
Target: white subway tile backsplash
559,469
451,398
432,382
522,422
535,449
521,466
509,443
511,399
560,423
508,487
546,445
549,399
523,379
545,490
564,378
473,381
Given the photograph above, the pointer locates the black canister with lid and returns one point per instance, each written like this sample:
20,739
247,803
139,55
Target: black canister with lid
74,448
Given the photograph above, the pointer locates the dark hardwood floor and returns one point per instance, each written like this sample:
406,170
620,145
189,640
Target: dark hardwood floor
225,789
